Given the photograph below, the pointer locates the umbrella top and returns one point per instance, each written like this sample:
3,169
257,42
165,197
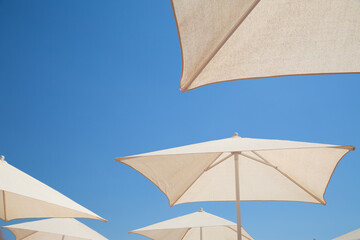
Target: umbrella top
236,144
42,200
60,226
192,220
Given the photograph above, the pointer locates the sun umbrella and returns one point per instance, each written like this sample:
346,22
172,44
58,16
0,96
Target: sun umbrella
354,235
22,196
55,229
241,169
243,39
195,226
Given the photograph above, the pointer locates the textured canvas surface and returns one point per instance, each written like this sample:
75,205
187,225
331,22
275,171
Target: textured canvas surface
245,39
22,196
57,229
188,227
271,170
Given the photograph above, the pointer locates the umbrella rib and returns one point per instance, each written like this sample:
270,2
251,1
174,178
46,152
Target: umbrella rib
291,179
27,235
211,166
246,237
231,228
236,232
222,43
185,234
182,194
257,160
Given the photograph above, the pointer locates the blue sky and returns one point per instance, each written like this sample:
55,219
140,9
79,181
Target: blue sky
84,82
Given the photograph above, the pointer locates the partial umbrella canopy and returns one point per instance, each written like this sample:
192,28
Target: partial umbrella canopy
354,235
241,169
55,229
22,196
195,226
245,39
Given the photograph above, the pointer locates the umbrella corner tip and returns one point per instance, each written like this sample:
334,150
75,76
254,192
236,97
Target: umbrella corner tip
2,157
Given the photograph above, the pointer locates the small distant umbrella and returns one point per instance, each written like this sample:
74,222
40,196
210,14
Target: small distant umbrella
54,229
195,226
354,235
22,196
241,169
245,39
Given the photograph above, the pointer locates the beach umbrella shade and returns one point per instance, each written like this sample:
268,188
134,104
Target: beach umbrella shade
354,235
241,169
245,39
55,229
22,196
195,226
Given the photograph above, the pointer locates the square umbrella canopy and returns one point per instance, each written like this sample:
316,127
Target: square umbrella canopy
244,39
241,169
195,226
22,196
55,229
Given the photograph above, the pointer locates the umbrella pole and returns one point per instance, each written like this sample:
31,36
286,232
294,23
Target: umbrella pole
237,190
200,233
4,203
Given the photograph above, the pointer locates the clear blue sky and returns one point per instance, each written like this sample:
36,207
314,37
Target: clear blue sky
83,82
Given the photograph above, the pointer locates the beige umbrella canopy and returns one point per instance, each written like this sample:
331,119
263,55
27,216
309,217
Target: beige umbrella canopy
241,169
354,235
22,196
55,229
243,39
195,226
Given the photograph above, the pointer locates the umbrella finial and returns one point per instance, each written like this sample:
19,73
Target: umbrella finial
235,134
201,210
2,158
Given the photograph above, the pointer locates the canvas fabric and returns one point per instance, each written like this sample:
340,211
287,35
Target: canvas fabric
188,228
56,229
22,196
269,170
354,235
244,39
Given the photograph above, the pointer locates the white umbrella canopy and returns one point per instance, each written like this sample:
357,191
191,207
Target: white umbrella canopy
244,39
22,196
241,169
195,226
55,229
354,235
